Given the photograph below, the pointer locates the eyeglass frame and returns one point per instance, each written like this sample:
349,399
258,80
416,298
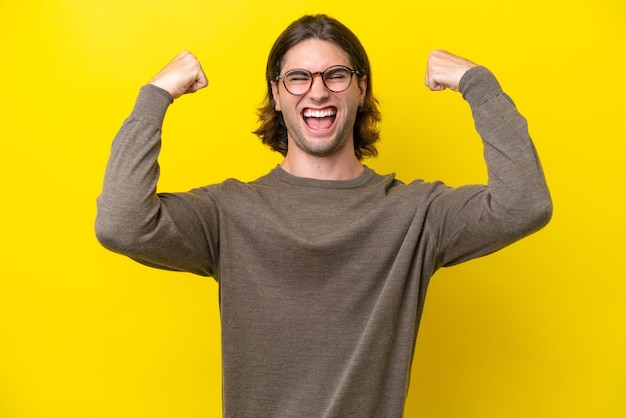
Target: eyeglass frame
318,73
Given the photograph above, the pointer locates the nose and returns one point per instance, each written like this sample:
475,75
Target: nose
318,88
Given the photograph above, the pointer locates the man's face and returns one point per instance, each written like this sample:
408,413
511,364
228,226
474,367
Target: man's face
319,122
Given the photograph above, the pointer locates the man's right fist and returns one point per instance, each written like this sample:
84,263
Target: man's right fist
182,75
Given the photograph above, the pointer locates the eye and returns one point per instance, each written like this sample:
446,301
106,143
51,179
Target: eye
297,77
337,74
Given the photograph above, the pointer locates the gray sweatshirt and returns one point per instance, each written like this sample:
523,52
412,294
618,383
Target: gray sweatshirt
322,283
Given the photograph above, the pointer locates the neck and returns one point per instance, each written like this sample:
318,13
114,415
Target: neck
333,167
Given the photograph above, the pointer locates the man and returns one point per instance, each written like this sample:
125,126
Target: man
323,264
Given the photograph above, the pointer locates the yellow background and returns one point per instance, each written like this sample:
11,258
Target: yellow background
536,330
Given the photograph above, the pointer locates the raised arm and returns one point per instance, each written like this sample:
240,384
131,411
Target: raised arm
471,221
164,231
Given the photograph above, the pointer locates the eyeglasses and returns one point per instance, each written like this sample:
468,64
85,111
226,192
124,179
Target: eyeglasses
336,79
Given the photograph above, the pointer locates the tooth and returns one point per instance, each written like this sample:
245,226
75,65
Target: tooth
318,113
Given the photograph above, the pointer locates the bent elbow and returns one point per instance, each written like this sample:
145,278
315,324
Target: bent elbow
537,216
543,215
122,227
115,234
108,235
524,215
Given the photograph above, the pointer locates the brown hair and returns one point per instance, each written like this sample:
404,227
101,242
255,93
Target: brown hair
272,130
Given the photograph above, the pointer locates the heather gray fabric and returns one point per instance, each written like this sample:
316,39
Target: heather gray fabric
322,283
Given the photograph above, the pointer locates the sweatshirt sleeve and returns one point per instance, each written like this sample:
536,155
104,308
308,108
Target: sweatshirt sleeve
472,221
168,231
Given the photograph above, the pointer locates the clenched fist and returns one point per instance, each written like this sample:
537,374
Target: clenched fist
182,75
444,70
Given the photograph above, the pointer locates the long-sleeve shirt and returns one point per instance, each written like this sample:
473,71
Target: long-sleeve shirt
322,283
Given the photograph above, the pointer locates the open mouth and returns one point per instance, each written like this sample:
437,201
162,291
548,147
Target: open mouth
319,119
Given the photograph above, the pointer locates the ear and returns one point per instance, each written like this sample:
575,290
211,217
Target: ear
275,96
362,89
